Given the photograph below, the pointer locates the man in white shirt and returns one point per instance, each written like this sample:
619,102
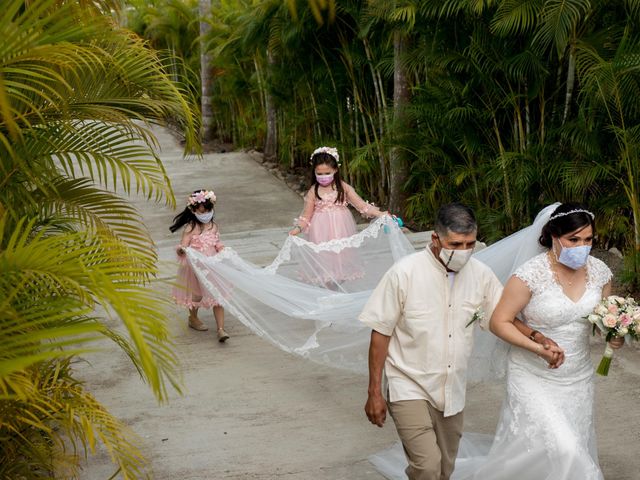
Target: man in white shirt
420,314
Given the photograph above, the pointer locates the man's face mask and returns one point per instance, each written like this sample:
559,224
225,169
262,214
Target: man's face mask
454,259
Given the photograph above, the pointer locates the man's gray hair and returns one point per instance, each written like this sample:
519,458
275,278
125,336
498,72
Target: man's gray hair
455,217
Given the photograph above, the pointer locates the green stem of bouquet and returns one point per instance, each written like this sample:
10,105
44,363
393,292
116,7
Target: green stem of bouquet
605,363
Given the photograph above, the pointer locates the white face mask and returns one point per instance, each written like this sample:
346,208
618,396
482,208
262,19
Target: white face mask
574,257
205,217
455,259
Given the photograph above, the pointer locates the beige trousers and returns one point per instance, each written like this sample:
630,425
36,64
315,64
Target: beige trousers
430,439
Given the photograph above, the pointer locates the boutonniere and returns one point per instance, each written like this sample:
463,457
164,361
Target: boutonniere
478,316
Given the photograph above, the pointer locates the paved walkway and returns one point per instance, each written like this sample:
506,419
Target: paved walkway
251,411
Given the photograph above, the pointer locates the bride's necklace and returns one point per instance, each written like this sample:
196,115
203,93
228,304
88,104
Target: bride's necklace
556,269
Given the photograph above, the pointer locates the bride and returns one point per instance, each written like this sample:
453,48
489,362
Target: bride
546,427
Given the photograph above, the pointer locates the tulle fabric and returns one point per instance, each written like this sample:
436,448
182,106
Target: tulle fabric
300,302
473,449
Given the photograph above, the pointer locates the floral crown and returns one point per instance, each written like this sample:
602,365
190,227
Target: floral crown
570,212
329,150
201,197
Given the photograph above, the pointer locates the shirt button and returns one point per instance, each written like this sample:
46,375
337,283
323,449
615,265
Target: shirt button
448,366
449,335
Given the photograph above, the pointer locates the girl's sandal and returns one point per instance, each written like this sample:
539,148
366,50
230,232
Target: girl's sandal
222,335
197,324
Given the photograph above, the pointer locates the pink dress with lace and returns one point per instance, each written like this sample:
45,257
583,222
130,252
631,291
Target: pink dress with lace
187,291
324,219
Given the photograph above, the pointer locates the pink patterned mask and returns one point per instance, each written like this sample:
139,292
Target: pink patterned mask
324,179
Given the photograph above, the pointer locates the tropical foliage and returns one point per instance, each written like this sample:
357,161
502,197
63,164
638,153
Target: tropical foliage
506,105
76,262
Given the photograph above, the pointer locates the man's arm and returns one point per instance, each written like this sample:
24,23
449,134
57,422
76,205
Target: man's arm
538,337
376,406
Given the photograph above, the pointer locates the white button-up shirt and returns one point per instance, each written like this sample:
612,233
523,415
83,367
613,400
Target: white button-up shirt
426,317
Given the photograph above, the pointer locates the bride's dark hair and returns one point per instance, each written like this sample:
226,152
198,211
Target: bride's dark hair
570,222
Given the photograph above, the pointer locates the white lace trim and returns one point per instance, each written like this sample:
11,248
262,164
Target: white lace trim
336,245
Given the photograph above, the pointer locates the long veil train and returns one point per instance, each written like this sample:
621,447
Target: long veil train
303,306
298,302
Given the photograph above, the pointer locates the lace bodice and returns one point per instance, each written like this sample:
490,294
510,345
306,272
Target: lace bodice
328,202
557,316
206,241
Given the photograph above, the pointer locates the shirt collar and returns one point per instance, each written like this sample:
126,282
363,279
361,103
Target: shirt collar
433,259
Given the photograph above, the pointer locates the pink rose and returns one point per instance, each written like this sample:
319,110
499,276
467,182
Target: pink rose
612,309
610,320
625,320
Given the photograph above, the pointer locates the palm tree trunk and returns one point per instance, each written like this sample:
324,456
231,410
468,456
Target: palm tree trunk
398,163
204,9
505,178
571,76
271,142
378,93
261,87
527,115
320,51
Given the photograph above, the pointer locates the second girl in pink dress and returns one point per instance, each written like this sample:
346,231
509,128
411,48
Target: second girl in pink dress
326,215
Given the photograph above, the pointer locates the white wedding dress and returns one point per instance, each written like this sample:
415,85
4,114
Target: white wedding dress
546,429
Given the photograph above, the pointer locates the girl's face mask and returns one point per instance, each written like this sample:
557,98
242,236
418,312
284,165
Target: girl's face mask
205,217
324,179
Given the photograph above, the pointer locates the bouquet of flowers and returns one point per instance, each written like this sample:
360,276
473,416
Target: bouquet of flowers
616,317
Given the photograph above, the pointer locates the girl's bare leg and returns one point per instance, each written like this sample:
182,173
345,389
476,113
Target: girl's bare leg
218,313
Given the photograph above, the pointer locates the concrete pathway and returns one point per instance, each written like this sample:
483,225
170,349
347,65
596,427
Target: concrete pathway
251,411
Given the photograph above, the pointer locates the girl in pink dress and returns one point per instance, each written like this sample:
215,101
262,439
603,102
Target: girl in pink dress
200,233
326,217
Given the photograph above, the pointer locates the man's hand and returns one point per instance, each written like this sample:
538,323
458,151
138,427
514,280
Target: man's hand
551,351
553,355
376,409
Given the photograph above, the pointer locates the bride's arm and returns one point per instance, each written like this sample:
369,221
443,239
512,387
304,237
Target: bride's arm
515,297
